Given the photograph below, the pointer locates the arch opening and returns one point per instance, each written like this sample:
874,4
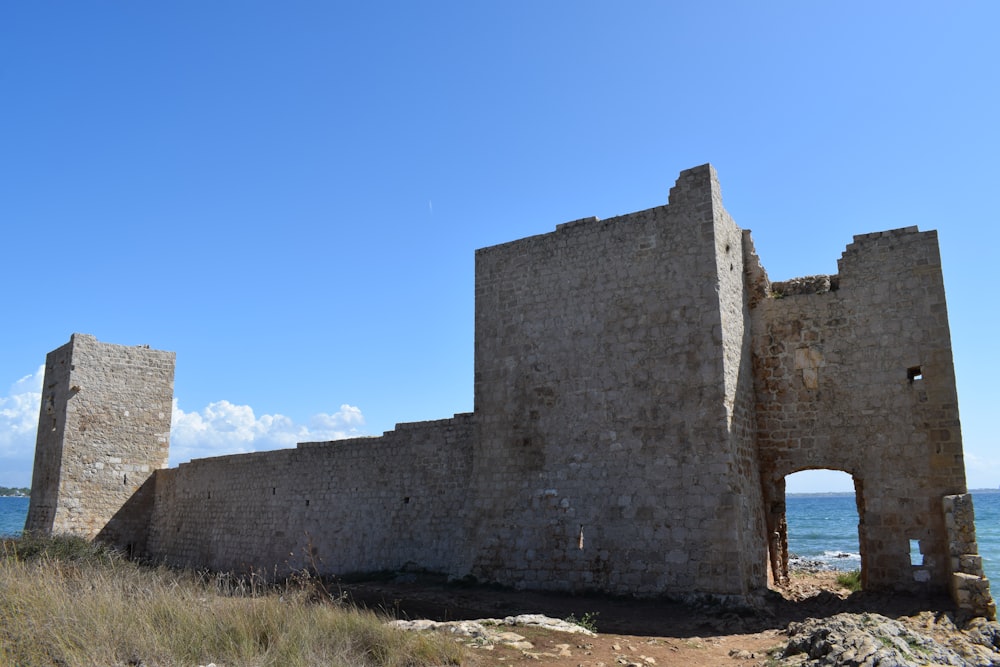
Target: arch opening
816,523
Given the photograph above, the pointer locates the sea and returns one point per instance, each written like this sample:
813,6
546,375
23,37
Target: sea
13,512
822,527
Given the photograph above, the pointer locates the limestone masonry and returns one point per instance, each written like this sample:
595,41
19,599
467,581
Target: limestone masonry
641,391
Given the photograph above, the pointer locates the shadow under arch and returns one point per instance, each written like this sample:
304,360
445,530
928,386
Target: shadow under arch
776,515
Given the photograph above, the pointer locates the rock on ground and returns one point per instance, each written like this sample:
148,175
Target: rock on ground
872,640
490,631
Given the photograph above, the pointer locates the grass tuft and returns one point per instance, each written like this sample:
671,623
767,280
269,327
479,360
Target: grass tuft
66,602
850,580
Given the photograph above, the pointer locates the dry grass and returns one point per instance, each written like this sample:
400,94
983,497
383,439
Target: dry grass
63,602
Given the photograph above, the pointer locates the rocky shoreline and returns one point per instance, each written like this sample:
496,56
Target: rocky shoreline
811,566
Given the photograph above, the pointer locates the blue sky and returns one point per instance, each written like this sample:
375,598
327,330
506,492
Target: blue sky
289,194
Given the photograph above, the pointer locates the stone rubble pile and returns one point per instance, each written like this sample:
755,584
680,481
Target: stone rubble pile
872,640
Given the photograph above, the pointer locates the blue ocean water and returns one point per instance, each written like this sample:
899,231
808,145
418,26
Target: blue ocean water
823,528
13,512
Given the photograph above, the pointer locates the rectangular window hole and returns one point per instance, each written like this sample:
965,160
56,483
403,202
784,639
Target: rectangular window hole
915,556
914,373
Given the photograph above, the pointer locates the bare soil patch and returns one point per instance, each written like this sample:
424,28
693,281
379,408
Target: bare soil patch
638,632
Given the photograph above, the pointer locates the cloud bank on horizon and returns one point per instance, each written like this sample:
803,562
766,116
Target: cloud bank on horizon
219,428
224,428
18,424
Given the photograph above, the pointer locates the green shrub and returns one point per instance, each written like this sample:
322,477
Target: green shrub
588,621
850,580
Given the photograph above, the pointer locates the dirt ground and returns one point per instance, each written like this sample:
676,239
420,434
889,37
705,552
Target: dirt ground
635,632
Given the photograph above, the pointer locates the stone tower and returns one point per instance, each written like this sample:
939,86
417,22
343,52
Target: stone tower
103,429
614,402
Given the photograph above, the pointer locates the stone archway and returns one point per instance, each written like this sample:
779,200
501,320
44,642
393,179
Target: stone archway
823,520
776,511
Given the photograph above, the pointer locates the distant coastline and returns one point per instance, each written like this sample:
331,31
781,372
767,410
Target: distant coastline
14,492
848,494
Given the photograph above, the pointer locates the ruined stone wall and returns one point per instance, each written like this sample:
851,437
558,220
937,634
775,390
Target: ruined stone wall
104,427
364,504
855,373
613,435
969,587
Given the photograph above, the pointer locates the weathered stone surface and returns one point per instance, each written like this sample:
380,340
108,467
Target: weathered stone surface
493,631
872,640
804,285
103,430
860,379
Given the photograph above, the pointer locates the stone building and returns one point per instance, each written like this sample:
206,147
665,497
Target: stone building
103,429
641,391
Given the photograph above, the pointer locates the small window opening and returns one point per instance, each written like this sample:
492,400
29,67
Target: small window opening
915,556
913,374
124,480
307,503
273,490
406,500
209,495
579,544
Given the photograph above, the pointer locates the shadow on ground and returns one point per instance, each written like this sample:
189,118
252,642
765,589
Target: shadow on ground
429,596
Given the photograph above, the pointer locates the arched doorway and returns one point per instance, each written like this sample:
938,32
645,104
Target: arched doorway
821,512
815,521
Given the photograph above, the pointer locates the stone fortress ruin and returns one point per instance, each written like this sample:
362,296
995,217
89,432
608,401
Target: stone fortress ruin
641,391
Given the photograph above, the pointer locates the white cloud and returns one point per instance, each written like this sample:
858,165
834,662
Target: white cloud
220,428
18,425
225,428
